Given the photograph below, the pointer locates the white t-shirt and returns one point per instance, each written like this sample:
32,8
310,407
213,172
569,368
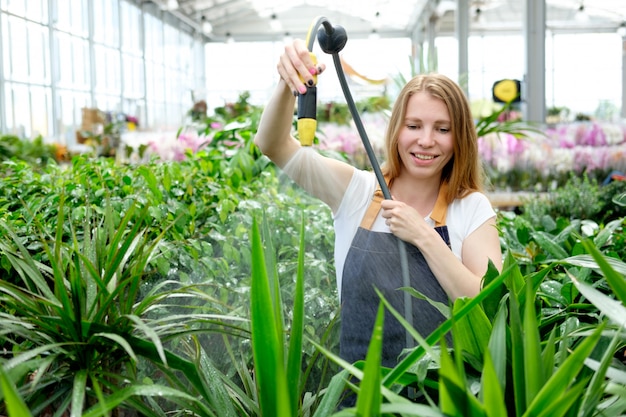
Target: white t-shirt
463,217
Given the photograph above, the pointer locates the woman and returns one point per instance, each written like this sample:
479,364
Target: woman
434,175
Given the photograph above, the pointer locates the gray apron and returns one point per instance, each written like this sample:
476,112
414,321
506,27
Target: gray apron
373,261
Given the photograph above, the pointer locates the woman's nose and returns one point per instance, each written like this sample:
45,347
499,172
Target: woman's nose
426,138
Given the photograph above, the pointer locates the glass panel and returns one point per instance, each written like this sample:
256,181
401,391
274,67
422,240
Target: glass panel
171,46
131,28
108,103
69,112
17,7
41,105
16,66
185,51
174,115
155,83
9,111
153,38
72,17
37,10
170,84
132,73
599,65
106,22
156,117
199,72
28,110
39,53
107,70
27,51
73,61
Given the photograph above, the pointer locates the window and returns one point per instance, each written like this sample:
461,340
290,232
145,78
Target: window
111,54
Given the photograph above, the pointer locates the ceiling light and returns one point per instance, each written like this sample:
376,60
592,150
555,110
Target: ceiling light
479,17
275,24
207,27
581,15
172,4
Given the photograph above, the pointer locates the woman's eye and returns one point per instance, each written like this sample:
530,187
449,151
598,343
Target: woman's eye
444,129
411,126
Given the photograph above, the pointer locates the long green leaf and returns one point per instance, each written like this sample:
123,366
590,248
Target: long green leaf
14,402
151,182
452,394
220,399
548,355
607,232
332,393
274,282
562,379
609,306
455,397
148,350
369,399
533,370
150,334
79,390
270,368
492,390
108,404
498,346
472,331
120,341
27,268
294,360
548,244
614,279
517,342
594,391
588,261
564,405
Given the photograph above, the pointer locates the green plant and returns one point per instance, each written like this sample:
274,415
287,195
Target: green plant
277,373
33,151
494,124
200,211
74,330
509,356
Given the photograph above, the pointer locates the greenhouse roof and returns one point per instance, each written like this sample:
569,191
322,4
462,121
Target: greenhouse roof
256,20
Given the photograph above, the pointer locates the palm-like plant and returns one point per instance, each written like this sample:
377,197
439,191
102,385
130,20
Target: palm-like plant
74,332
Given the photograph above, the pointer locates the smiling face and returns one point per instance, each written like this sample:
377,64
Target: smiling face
439,105
425,140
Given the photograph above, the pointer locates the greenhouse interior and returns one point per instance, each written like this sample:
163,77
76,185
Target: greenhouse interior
170,244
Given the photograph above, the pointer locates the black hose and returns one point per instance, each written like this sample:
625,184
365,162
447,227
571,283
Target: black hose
332,40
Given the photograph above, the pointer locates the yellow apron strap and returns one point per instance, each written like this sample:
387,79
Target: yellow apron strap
372,211
438,214
441,207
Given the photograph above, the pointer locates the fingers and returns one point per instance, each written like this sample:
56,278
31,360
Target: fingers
297,68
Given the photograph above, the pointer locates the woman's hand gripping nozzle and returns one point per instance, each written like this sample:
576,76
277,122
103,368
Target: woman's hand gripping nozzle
307,111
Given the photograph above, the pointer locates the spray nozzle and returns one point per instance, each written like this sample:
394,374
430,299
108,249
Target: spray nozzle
331,38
